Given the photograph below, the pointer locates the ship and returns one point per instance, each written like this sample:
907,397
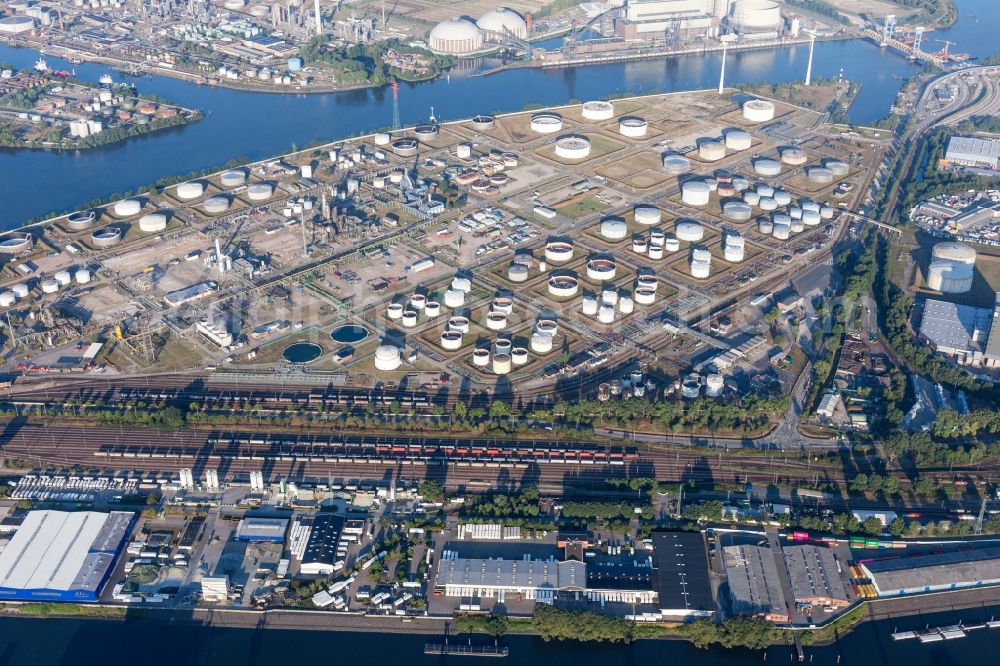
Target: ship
106,80
41,65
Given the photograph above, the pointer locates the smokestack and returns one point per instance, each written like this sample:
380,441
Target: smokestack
809,67
722,74
218,257
319,21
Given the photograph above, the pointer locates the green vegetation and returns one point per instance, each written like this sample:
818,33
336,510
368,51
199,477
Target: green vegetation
52,609
562,625
365,63
819,7
432,491
736,632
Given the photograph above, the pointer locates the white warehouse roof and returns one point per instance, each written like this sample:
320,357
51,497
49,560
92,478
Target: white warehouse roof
62,555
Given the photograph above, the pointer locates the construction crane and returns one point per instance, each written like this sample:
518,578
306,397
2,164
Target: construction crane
944,51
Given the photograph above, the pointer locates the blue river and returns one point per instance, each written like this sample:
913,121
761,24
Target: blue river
257,125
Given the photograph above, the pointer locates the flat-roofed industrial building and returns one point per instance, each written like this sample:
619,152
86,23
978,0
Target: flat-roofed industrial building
935,573
682,580
63,556
262,529
755,583
531,579
973,151
815,579
320,554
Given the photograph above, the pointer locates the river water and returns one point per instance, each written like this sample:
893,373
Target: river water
38,642
256,125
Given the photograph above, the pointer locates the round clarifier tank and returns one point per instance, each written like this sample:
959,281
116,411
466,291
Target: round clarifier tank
302,352
349,333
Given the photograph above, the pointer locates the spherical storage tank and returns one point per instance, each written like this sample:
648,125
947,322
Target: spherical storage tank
738,140
387,358
695,193
153,223
756,15
952,268
456,35
711,151
572,147
233,178
738,211
597,110
497,23
127,207
647,215
546,123
190,190
614,228
766,167
758,110
690,231
632,127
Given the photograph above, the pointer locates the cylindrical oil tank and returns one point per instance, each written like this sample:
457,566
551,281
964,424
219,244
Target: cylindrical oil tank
127,207
432,308
632,127
714,384
614,228
711,151
519,356
597,110
260,191
387,358
517,273
647,215
190,190
481,358
563,286
794,156
589,305
645,295
751,197
758,110
20,290
738,140
49,286
454,298
394,310
459,323
558,251
626,305
765,226
695,193
738,211
541,343
501,364
496,321
782,231
767,203
676,164
409,318
233,178
781,197
606,314
767,167
82,276
837,168
689,231
153,223
819,175
451,340
7,299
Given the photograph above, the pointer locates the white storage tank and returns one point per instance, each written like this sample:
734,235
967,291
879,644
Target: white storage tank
563,286
711,151
819,175
63,278
409,318
519,356
451,340
782,231
767,203
82,276
689,231
601,269
837,168
765,226
496,321
738,140
233,178
767,167
387,358
645,295
432,308
606,314
501,364
517,273
632,127
794,156
394,311
481,358
190,190
738,211
459,323
128,207
541,343
153,223
695,193
215,205
626,305
49,286
676,164
751,197
464,151
614,228
546,123
7,299
598,110
20,290
781,197
558,251
647,215
260,191
758,110
714,385
454,298
589,305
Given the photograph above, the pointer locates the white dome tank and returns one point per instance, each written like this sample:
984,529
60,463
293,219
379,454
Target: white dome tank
153,223
738,140
614,228
647,215
233,178
387,358
190,190
82,276
711,151
128,207
695,193
690,231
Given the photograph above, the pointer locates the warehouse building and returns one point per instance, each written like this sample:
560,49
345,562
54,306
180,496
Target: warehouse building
532,579
682,578
935,573
814,576
320,554
973,152
956,330
624,578
256,530
63,556
754,583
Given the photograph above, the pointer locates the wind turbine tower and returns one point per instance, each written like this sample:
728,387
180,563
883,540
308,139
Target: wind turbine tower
809,66
722,73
